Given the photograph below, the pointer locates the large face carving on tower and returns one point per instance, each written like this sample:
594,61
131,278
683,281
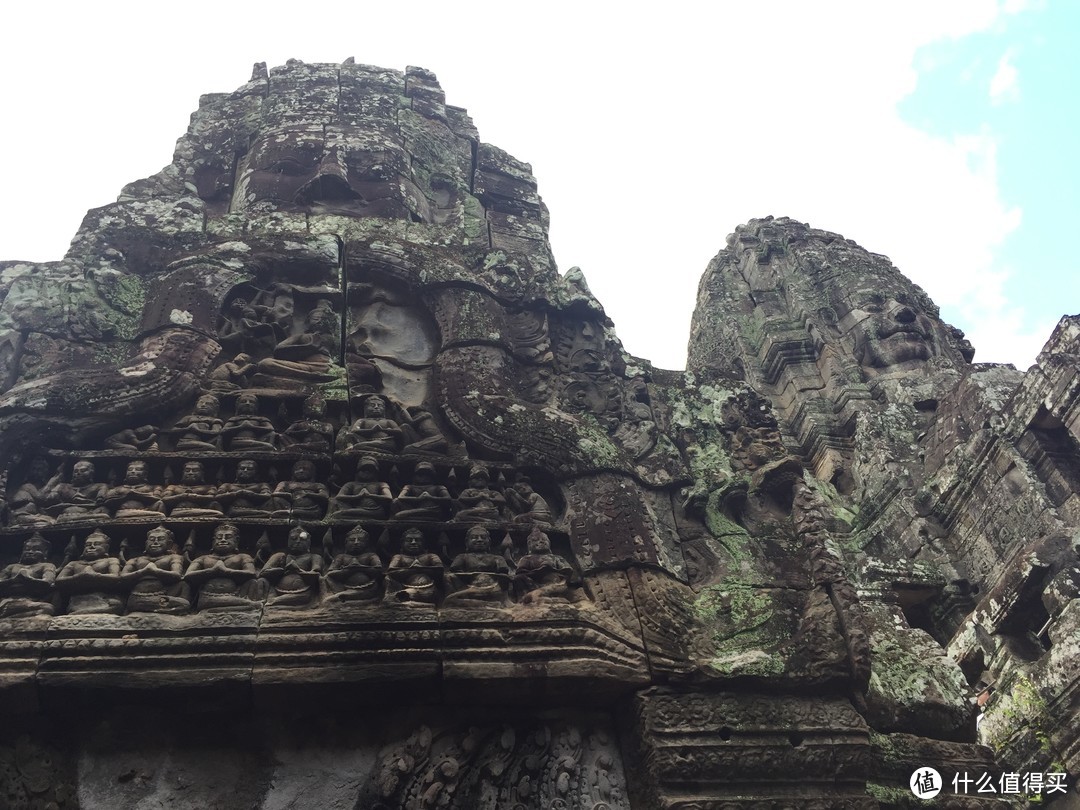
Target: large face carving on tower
345,170
889,331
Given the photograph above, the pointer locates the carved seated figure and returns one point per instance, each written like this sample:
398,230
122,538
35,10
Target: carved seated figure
139,439
80,499
414,574
313,432
356,575
302,498
231,376
366,498
26,587
248,327
92,582
371,432
423,435
246,430
293,575
479,502
305,359
478,576
29,501
136,497
156,577
201,429
544,576
529,505
192,497
226,577
423,499
247,497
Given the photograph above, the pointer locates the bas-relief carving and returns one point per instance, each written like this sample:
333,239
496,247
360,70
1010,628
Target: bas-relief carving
346,376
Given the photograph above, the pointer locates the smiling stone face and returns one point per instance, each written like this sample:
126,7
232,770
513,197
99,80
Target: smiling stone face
158,541
226,539
889,331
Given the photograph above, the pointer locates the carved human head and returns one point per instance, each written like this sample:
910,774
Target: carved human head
226,539
247,404
193,472
478,539
82,473
412,542
303,470
35,549
247,471
538,542
888,329
341,170
158,541
424,472
479,476
367,469
96,545
39,470
374,408
207,405
299,540
136,473
357,540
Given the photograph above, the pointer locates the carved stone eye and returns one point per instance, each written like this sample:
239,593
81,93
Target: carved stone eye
286,166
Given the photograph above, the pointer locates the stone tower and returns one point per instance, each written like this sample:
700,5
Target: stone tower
325,488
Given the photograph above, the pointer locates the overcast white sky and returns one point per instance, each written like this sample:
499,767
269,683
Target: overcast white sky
653,131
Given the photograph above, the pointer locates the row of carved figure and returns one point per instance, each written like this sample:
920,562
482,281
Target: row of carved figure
247,431
40,502
165,579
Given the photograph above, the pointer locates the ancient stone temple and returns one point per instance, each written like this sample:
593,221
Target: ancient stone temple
324,488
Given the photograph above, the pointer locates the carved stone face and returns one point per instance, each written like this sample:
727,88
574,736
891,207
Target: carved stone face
888,332
394,331
314,408
95,547
193,473
356,541
136,473
39,470
82,473
206,406
303,471
368,469
347,171
539,543
157,541
412,542
299,541
478,540
35,550
226,539
247,471
424,474
247,404
374,408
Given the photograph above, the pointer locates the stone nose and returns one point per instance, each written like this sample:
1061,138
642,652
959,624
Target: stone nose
330,183
905,315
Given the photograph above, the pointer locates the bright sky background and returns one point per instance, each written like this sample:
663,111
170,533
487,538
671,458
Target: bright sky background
942,134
